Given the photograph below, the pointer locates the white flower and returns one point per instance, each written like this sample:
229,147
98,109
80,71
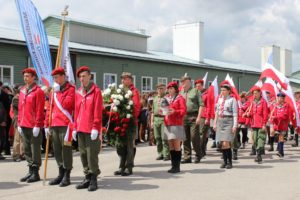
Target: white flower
109,85
128,116
127,96
121,97
129,92
107,91
128,107
130,102
119,91
113,96
113,85
116,102
115,109
121,86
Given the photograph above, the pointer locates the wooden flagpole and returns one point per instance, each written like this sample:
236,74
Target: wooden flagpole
58,60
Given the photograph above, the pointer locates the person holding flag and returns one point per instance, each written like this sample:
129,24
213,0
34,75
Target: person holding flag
258,114
30,121
205,117
280,120
226,122
297,129
88,127
62,102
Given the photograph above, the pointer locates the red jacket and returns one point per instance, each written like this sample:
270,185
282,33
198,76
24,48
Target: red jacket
280,116
242,109
258,113
31,107
179,106
205,110
88,110
136,102
66,97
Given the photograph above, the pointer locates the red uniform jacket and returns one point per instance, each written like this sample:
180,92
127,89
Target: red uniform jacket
31,107
281,117
88,110
66,97
205,110
136,102
179,106
259,113
242,109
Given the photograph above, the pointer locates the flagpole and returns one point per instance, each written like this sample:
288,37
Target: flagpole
58,60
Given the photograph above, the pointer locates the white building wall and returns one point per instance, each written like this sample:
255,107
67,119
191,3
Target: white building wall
265,53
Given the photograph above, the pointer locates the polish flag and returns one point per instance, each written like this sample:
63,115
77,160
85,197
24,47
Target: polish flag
291,101
270,86
233,89
271,72
213,96
204,79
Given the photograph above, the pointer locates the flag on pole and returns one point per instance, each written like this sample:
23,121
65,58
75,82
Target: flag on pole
66,59
234,91
204,79
270,71
270,86
213,96
36,40
291,101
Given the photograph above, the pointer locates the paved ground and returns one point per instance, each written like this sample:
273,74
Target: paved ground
274,179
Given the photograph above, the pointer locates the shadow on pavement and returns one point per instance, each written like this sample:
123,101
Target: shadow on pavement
161,164
11,185
280,161
204,171
257,166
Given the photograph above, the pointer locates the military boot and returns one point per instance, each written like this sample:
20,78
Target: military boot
66,179
34,176
60,176
85,183
93,183
24,179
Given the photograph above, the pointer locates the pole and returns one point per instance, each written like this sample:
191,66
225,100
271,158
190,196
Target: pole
58,60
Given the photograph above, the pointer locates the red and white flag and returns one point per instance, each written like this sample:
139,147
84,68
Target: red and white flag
204,79
233,89
270,86
213,96
291,101
271,72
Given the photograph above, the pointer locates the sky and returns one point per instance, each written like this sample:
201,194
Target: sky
234,30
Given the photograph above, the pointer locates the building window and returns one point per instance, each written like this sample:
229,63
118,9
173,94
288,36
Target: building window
94,77
109,79
162,80
176,80
146,84
6,74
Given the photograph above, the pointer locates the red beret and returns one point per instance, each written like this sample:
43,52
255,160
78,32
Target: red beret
82,69
199,81
58,70
255,88
225,84
172,84
29,70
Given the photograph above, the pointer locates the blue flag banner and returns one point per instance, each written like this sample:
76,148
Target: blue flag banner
36,39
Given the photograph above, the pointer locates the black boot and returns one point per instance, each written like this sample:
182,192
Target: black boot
235,154
127,172
271,144
66,179
24,179
134,152
93,183
34,176
224,159
229,157
177,158
85,183
253,152
60,176
296,140
172,161
258,158
214,145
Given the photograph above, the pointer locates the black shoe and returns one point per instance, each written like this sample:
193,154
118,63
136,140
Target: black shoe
127,172
223,165
34,176
66,179
24,179
58,179
85,183
119,172
258,159
235,157
160,158
229,166
279,155
176,163
197,160
185,161
93,183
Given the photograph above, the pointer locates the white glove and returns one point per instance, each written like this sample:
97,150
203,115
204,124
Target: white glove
56,87
94,134
20,131
36,131
47,132
74,134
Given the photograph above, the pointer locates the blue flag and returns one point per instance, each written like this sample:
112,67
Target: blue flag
36,39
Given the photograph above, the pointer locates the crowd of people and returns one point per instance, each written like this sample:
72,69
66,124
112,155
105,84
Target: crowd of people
179,118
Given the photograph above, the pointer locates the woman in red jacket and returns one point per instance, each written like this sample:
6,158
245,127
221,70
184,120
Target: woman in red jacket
174,109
